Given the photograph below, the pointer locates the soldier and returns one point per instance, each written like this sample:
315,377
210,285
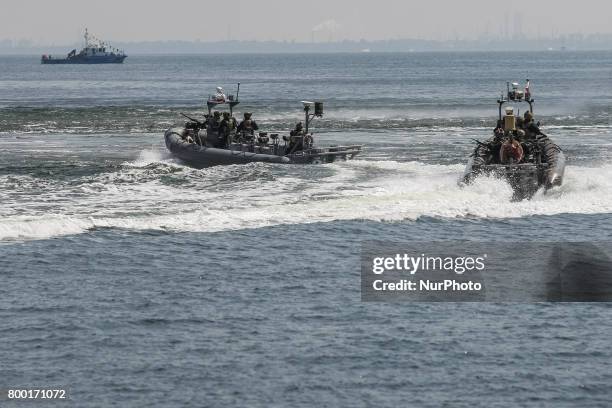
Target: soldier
531,129
231,121
520,129
248,125
528,118
299,129
212,129
226,128
296,137
499,129
216,120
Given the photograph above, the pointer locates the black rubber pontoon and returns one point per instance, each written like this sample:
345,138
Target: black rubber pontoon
203,156
183,146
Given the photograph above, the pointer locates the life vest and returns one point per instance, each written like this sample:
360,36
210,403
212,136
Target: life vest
511,152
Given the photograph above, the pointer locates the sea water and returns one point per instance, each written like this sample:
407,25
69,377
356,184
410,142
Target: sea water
131,279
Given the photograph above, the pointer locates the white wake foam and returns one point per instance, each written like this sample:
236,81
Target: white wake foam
229,198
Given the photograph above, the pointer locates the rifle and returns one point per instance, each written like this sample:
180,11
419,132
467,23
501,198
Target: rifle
200,124
486,145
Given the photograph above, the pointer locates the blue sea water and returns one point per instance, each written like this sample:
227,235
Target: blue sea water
132,280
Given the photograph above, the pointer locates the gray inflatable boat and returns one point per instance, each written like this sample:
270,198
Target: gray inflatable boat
518,152
217,142
183,147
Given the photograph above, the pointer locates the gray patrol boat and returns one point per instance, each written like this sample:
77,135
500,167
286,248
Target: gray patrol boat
95,52
218,140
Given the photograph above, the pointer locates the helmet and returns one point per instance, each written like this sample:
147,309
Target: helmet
247,115
219,89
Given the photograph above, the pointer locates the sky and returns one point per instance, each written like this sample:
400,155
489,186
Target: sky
63,21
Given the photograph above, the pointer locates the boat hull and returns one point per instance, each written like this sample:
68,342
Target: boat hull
203,156
524,178
118,59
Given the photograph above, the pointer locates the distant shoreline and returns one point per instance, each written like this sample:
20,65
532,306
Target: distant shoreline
193,54
601,42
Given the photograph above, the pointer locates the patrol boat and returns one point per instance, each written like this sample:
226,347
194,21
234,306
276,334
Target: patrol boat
219,142
94,52
518,152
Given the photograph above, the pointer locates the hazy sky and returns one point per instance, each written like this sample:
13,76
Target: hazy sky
62,21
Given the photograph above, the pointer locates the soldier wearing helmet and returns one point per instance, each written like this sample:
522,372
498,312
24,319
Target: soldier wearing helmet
531,129
296,138
226,128
248,125
216,120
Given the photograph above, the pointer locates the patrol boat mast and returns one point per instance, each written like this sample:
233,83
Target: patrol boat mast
515,95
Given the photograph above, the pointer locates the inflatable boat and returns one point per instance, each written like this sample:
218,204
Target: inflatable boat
219,140
183,147
519,152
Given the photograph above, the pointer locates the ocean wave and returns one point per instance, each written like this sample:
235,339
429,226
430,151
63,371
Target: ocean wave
135,120
255,196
